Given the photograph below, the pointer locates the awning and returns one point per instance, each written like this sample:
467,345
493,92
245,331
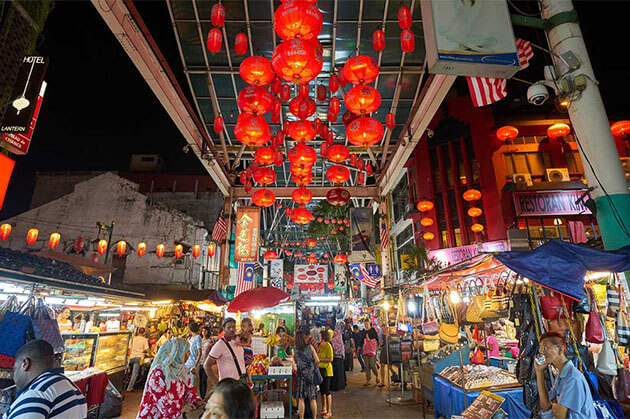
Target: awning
212,296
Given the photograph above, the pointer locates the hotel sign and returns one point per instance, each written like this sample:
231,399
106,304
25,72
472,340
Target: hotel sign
247,232
545,203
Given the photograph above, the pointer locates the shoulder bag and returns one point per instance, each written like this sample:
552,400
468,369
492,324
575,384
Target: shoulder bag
594,332
449,332
429,327
46,327
473,313
317,377
612,297
244,378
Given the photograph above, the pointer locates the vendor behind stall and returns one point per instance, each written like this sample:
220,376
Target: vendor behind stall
63,320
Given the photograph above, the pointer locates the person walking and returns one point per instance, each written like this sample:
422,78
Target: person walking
369,353
325,355
192,363
139,347
307,360
42,391
228,355
168,388
358,336
349,348
338,382
315,332
206,345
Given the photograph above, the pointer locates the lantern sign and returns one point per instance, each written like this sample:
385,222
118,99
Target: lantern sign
212,248
31,236
362,234
310,274
101,247
247,234
338,196
5,231
142,249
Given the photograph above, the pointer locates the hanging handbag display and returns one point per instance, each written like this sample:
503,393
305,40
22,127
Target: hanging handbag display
500,298
14,329
623,328
621,386
429,327
594,332
477,357
449,332
46,327
475,308
551,305
612,298
607,359
487,313
430,345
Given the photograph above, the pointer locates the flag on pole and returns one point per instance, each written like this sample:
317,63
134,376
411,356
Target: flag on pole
362,275
487,90
219,232
384,233
245,278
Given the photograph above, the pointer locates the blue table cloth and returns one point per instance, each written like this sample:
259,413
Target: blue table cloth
449,400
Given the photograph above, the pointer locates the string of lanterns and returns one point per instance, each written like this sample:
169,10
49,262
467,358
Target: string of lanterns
472,195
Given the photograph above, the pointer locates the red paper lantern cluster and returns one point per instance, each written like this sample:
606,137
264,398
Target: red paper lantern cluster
362,99
297,19
255,100
365,131
256,70
360,69
263,198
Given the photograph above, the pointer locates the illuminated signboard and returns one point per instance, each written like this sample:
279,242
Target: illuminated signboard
247,234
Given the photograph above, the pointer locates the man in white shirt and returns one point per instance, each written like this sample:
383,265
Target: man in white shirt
139,345
315,333
228,355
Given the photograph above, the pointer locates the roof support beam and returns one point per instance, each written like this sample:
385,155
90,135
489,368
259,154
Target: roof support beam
318,192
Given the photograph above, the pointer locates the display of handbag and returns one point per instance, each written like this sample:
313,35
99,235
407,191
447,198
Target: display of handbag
46,327
430,345
475,308
621,386
555,304
500,298
594,332
10,304
449,332
612,298
429,327
623,328
607,359
15,330
477,357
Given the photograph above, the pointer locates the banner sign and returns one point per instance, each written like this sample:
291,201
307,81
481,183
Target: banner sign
20,142
362,235
457,254
341,281
469,38
18,114
310,274
276,273
374,269
544,203
247,231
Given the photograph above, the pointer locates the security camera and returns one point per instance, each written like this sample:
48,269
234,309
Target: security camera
430,133
186,148
537,94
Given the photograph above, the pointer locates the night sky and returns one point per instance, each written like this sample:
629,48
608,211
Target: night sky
98,110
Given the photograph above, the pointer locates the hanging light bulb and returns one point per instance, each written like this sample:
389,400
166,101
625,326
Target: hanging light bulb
455,297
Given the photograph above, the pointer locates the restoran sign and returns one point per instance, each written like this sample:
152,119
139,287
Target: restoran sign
247,231
454,255
542,203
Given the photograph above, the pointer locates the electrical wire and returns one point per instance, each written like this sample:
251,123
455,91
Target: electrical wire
522,12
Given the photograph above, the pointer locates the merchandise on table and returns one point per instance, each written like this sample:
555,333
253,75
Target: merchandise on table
259,365
479,377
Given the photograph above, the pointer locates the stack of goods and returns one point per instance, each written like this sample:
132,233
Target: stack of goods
406,348
479,377
394,350
259,365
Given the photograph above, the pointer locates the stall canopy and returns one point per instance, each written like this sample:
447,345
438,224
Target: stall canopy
212,296
258,298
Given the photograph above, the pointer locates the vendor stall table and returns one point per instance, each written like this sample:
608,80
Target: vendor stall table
448,400
276,377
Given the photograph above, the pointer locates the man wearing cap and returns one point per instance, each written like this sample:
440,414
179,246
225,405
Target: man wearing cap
229,356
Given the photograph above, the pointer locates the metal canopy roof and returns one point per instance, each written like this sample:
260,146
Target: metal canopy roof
214,79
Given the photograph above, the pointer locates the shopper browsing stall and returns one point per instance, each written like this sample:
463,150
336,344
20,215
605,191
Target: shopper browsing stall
228,355
307,361
369,353
325,354
139,348
192,362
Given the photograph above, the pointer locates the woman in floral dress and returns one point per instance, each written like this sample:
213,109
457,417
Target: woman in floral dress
168,388
307,360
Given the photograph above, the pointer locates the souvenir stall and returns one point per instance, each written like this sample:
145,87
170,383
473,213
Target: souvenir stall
202,306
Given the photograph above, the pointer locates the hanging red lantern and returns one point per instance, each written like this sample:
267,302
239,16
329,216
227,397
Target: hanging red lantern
286,125
142,249
332,117
285,92
255,166
334,221
255,100
270,255
121,248
276,85
252,130
240,44
404,17
263,198
620,129
215,40
331,285
212,248
390,121
218,124
341,258
477,228
196,250
428,236
360,70
361,178
338,153
5,231
279,160
248,186
334,106
297,19
256,70
179,251
472,195
337,197
302,155
407,41
378,40
353,160
558,131
330,135
365,131
79,244
424,206
311,259
337,174
368,169
31,236
348,117
360,164
275,118
302,196
159,250
426,222
311,242
217,15
53,240
303,130
323,149
300,170
265,175
321,93
333,83
101,247
303,89
362,99
301,215
507,132
474,212
297,61
265,156
302,180
302,106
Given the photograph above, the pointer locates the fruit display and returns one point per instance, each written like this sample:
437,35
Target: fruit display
479,377
271,340
259,365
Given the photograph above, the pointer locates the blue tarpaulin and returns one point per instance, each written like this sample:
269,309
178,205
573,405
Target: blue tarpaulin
562,266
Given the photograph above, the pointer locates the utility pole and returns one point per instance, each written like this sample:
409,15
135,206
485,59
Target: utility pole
597,148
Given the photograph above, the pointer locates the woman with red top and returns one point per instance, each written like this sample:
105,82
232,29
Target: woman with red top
168,388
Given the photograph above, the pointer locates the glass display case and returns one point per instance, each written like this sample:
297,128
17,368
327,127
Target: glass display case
111,350
80,350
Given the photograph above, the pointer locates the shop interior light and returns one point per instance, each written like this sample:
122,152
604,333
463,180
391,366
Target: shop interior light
321,304
386,305
411,306
526,280
109,314
326,298
133,308
96,299
596,276
71,301
162,302
86,303
54,300
455,297
133,304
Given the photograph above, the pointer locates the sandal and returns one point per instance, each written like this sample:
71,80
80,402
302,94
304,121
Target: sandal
380,385
367,384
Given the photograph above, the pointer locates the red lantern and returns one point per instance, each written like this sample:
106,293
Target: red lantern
425,206
215,40
256,70
218,125
179,251
365,131
311,259
240,44
332,117
507,132
362,99
355,287
79,244
252,130
101,247
404,17
290,284
353,160
303,130
620,128
297,19
302,155
263,198
303,89
255,100
265,175
472,195
302,196
217,15
53,240
302,180
301,215
474,212
196,250
212,249
302,106
426,222
248,186
361,178
428,236
297,61
333,83
338,153
265,156
275,118
390,121
407,41
368,169
341,258
337,197
285,92
279,160
348,117
360,70
5,231
360,164
323,149
337,174
300,170
331,285
558,131
31,236
159,250
142,249
334,106
477,228
321,93
311,242
276,85
270,255
378,40
121,248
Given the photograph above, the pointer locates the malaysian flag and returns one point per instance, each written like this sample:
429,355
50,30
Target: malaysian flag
362,275
487,90
245,278
384,233
219,232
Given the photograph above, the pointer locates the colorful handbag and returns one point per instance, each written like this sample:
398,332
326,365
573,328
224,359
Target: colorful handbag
500,298
623,328
594,332
553,304
430,345
14,329
46,327
612,299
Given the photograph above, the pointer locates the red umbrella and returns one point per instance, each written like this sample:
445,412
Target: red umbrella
256,298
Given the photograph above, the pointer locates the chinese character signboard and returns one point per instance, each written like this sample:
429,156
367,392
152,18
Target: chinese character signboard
247,234
541,203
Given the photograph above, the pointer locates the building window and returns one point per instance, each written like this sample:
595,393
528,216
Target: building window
400,199
404,244
532,163
574,162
